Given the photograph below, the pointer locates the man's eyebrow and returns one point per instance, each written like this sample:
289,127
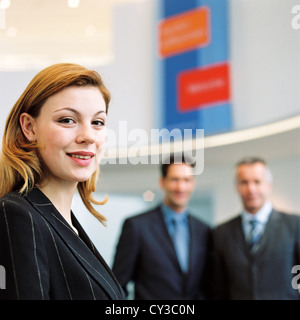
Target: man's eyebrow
76,112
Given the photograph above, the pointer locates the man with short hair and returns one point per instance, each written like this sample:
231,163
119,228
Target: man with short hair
254,252
165,251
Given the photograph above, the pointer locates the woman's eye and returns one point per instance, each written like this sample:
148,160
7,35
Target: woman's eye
98,123
66,120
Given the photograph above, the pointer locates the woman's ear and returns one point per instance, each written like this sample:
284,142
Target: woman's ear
27,123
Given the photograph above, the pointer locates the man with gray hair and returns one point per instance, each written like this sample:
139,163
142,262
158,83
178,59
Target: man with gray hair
254,252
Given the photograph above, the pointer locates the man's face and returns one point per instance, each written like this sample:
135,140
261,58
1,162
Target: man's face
253,185
178,185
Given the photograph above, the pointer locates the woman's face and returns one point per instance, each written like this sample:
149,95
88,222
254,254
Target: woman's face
71,133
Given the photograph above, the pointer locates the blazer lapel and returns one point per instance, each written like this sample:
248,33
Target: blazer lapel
85,238
82,248
238,237
159,227
192,246
268,235
259,248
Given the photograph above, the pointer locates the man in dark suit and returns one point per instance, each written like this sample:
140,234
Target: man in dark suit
147,253
254,252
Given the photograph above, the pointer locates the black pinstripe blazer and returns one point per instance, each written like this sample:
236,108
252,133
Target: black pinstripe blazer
44,258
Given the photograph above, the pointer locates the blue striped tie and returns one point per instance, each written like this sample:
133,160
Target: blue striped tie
253,233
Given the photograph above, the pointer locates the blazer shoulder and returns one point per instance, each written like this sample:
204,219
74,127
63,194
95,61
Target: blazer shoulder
292,219
17,211
12,196
199,222
288,215
228,224
14,202
145,215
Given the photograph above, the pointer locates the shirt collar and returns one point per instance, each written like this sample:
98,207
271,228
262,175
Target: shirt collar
262,215
170,214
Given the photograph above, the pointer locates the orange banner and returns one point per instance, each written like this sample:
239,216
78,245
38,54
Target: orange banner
184,32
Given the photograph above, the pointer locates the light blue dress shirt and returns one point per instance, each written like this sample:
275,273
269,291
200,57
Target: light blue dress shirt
262,217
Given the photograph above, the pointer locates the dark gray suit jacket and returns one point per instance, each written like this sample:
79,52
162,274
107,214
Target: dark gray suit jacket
145,255
44,258
265,274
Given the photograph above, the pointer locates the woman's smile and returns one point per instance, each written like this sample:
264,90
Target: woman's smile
81,158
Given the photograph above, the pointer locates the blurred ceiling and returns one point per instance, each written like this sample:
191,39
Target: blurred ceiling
35,33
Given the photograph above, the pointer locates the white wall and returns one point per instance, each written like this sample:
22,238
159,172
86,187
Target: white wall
129,78
12,84
265,61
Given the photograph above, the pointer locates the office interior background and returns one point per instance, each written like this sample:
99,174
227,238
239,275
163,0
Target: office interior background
118,38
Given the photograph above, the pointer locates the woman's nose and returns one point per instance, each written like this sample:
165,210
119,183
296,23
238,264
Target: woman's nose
85,135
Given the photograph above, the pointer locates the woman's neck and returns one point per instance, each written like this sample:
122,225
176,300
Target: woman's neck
61,196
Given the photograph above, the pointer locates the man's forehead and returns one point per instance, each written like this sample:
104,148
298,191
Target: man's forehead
251,170
181,169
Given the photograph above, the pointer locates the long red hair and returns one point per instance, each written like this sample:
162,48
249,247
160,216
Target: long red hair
20,168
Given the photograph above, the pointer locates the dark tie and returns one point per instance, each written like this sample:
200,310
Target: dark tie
253,233
180,243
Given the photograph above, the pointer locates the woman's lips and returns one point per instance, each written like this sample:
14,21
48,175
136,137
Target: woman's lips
82,158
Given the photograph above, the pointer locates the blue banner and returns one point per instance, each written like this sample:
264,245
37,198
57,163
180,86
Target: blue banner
193,65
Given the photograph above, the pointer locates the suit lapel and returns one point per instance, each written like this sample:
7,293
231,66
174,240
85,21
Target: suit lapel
260,247
85,238
90,259
268,235
238,237
161,232
193,245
